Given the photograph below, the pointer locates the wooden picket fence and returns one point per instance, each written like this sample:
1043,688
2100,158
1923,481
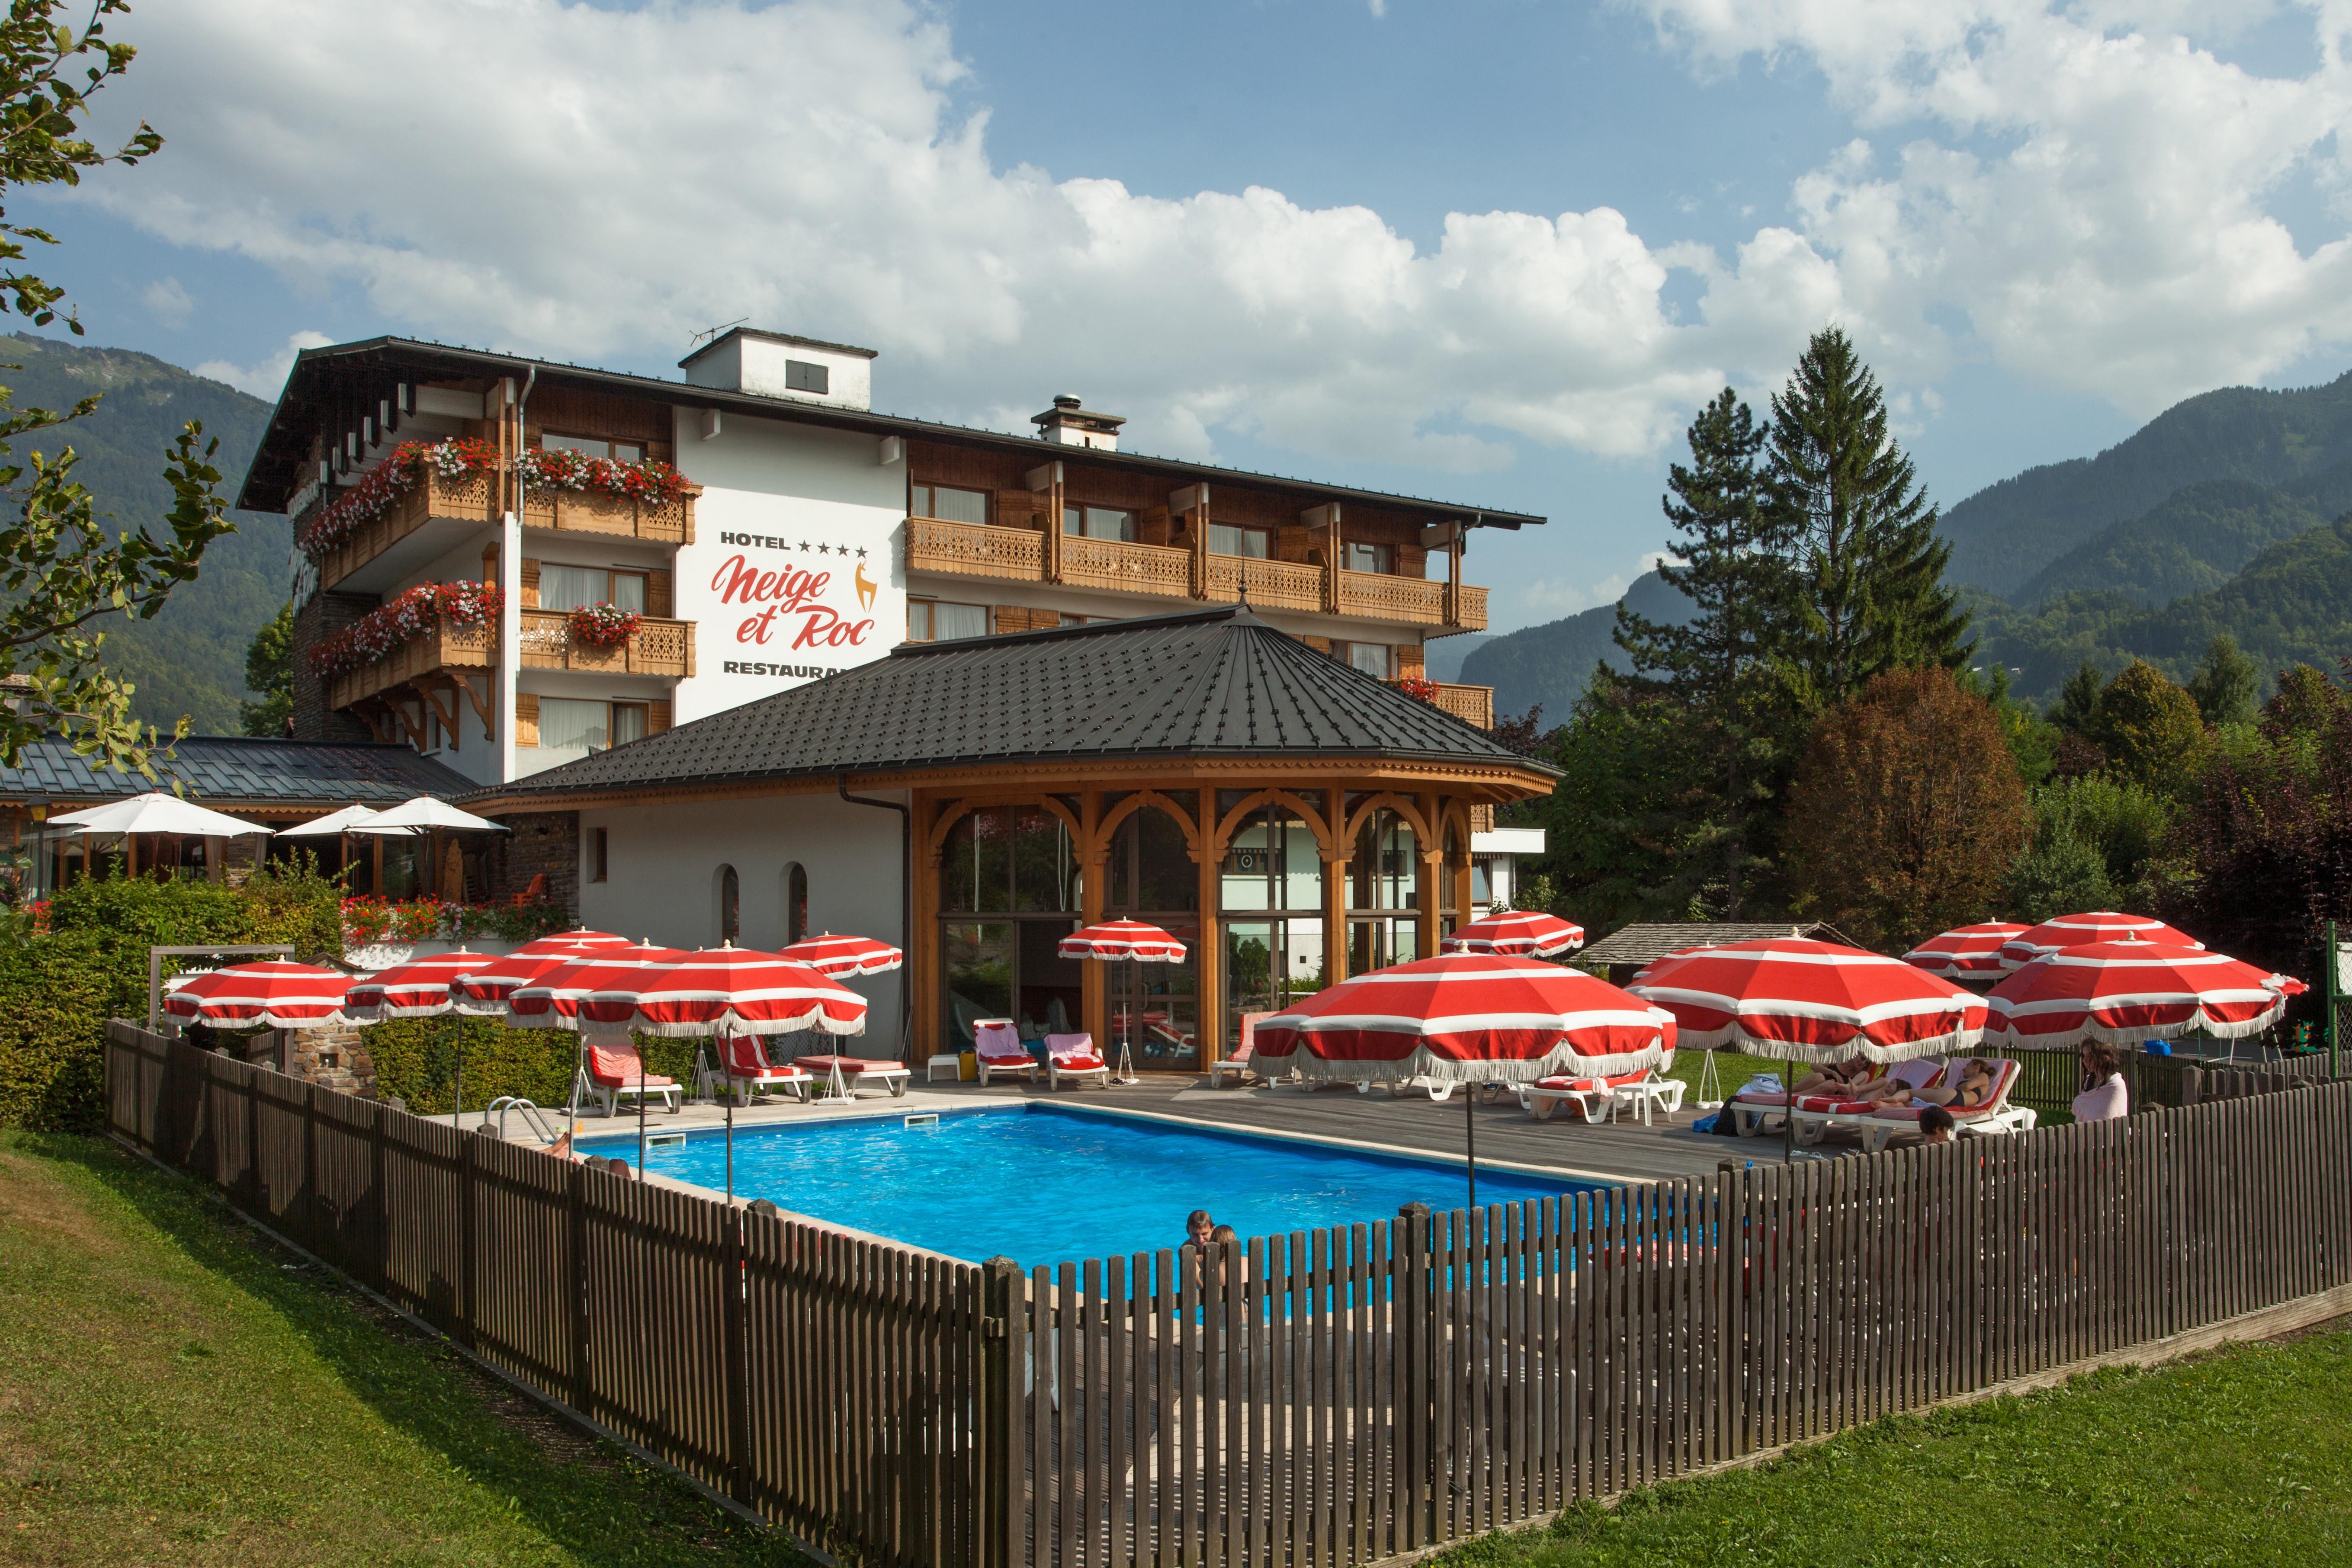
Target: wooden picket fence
1335,1396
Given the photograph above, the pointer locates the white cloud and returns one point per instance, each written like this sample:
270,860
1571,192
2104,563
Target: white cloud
167,301
266,379
658,170
2091,190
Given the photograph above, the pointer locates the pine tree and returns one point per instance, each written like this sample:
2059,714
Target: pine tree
1714,667
1866,590
2078,701
269,671
2225,683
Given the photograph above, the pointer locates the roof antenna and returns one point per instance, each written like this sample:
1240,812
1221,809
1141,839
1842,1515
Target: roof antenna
709,332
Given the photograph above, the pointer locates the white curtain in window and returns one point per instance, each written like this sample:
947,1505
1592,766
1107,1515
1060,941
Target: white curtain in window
570,587
1371,658
958,621
565,725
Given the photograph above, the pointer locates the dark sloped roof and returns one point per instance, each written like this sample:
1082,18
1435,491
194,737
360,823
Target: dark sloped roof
1216,682
219,769
1641,943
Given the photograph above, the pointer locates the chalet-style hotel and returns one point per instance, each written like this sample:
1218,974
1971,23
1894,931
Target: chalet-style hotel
737,657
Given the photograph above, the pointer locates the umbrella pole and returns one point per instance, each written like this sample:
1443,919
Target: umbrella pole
1470,1130
458,1095
641,1113
730,1147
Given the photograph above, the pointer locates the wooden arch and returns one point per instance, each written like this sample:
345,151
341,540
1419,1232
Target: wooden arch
1314,818
958,810
1135,803
1404,807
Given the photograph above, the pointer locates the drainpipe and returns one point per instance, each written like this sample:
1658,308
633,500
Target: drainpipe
510,590
906,901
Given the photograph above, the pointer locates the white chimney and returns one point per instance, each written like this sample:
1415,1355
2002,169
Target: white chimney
1070,426
777,365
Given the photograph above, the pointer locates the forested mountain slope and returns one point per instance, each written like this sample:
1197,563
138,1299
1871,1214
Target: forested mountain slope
2006,535
1551,663
191,659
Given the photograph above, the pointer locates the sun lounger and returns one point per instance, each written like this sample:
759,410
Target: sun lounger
1243,1063
997,1045
843,1074
617,1072
1996,1116
1818,1114
1754,1109
1593,1096
1073,1056
743,1062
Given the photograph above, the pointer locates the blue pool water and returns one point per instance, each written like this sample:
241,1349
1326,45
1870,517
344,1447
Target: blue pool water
1048,1184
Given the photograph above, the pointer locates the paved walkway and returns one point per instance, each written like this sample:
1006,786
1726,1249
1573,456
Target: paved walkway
1624,1150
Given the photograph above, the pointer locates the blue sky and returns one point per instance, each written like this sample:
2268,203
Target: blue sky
1492,252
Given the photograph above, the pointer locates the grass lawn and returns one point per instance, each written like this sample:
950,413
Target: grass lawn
2240,1457
174,1390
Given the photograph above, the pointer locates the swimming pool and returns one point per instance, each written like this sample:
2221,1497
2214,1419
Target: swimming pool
1046,1184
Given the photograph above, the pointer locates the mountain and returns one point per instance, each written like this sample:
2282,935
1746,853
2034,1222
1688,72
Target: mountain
1550,664
190,659
1442,659
2004,536
2291,603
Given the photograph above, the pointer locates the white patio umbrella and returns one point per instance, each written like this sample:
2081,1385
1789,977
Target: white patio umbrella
334,824
156,812
425,812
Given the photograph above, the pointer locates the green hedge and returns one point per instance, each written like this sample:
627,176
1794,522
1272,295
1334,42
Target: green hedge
58,988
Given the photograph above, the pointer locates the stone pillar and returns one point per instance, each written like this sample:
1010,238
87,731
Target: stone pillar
332,1058
324,615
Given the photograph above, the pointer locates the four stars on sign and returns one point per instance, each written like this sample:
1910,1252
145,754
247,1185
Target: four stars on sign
830,548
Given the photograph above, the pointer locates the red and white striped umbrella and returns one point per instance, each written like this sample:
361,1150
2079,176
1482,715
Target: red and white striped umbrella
2124,991
2083,930
1138,940
1810,1002
1465,1018
1966,951
571,942
553,1000
484,990
1516,933
270,994
838,957
726,991
420,988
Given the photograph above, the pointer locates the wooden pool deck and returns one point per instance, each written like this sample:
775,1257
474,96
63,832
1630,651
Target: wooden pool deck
1611,1151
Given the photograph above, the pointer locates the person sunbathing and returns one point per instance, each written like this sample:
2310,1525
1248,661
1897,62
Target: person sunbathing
1970,1087
1836,1079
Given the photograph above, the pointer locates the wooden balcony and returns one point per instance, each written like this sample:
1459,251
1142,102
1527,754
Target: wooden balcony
440,649
1161,572
597,511
658,647
435,511
1154,569
472,501
1471,704
1271,584
975,550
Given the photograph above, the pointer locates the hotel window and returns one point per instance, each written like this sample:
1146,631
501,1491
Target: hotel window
1099,523
604,856
1371,658
795,902
930,620
1224,538
800,375
595,447
950,505
576,587
1362,557
569,725
730,904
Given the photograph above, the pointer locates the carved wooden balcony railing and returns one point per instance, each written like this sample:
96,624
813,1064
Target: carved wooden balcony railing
656,647
439,649
473,500
1153,569
974,550
1273,585
1471,704
599,512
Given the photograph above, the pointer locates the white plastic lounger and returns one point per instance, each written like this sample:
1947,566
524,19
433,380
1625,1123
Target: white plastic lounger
617,1072
743,1062
1243,1063
1817,1114
1073,1056
997,1045
1994,1117
1595,1096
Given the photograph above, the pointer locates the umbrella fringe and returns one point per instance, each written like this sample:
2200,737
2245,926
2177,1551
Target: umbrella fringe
1731,1033
732,1025
1423,1063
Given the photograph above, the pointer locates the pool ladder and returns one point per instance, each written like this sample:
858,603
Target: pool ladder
532,1116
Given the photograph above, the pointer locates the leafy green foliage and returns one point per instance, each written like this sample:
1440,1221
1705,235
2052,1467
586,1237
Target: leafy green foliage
60,571
2225,684
2149,729
58,989
2195,541
269,671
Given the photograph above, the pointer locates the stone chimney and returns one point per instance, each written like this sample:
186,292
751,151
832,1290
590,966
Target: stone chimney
1070,426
